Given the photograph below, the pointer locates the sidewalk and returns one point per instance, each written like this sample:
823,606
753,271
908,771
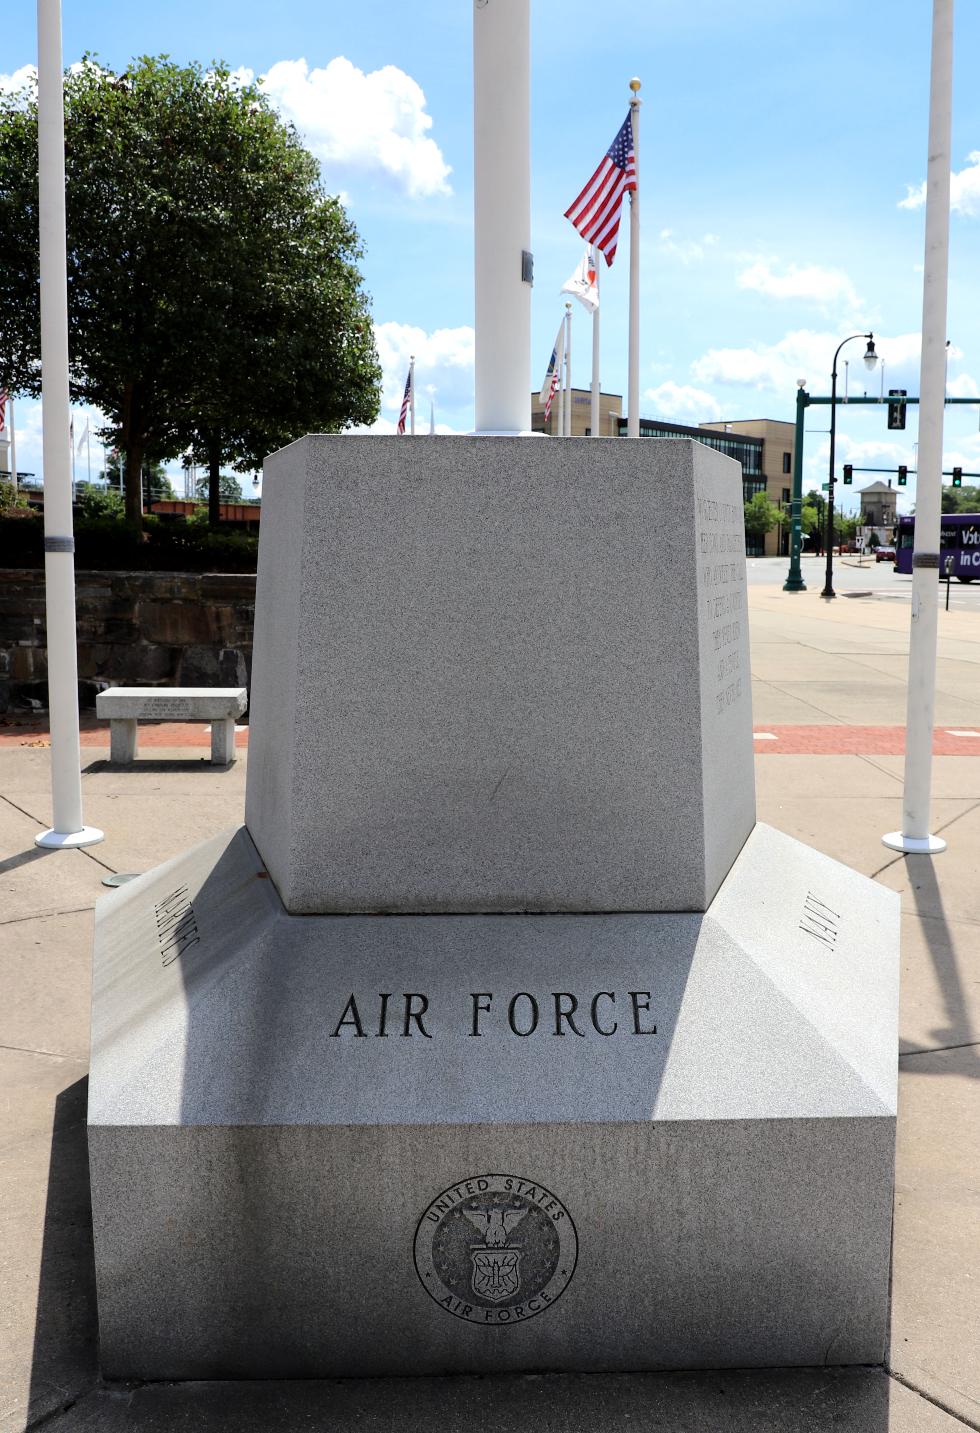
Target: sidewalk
817,668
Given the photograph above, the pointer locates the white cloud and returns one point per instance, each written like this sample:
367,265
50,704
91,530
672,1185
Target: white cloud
28,417
828,288
372,122
964,189
871,453
13,84
688,251
27,428
383,426
672,399
806,354
443,372
963,386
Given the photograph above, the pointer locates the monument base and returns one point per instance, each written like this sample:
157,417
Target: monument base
326,1145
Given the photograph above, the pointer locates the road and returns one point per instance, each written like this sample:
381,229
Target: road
876,581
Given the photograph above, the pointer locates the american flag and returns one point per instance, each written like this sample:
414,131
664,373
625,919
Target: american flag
551,395
596,211
3,408
553,375
405,403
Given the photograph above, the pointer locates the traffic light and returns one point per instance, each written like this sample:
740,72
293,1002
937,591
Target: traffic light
896,407
957,477
903,475
848,472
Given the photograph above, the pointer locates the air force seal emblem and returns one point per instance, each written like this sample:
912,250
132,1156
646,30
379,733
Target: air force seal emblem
495,1249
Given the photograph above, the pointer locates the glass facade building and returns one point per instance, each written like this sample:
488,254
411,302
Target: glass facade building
741,447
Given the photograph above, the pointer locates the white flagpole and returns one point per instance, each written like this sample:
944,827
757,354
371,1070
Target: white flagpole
502,214
594,410
67,828
559,428
13,442
411,394
920,711
88,447
568,370
633,381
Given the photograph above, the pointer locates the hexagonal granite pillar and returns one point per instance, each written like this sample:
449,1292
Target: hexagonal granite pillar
494,674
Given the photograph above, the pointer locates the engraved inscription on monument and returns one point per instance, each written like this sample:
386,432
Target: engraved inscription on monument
820,921
176,925
722,578
495,1249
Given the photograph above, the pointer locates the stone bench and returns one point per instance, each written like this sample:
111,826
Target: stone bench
125,706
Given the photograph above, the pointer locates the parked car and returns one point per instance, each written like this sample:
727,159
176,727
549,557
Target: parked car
884,554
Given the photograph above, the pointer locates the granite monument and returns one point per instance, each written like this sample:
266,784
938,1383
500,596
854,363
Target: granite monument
501,1036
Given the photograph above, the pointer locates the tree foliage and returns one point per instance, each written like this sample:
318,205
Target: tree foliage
229,488
761,516
961,499
214,297
156,484
809,519
97,501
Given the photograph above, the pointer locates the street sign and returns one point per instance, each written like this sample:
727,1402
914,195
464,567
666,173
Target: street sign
826,487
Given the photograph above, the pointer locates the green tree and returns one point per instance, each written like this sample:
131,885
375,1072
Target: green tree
230,489
214,298
810,519
11,499
95,500
156,484
846,528
961,499
761,516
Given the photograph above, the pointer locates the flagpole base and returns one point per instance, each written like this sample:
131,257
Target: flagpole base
505,433
914,845
67,840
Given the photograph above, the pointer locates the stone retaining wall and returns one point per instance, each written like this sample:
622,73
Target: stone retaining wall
134,628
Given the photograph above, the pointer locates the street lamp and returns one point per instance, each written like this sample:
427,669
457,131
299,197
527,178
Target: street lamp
870,359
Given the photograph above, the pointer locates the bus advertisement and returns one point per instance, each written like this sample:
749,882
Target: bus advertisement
959,539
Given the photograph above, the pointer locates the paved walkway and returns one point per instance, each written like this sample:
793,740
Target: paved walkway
828,739
816,669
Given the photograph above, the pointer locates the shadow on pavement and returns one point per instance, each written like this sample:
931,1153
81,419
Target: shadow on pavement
64,1363
141,766
24,858
804,1401
940,942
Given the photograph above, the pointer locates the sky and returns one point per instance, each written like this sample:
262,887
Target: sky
782,164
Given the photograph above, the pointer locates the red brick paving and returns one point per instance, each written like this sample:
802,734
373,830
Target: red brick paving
33,731
826,740
834,740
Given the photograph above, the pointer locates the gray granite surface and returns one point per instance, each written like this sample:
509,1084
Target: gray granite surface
500,675
269,1134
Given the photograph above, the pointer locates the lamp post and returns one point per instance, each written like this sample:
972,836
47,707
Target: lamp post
870,359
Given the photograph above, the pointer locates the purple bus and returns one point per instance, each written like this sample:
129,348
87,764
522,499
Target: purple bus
959,539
